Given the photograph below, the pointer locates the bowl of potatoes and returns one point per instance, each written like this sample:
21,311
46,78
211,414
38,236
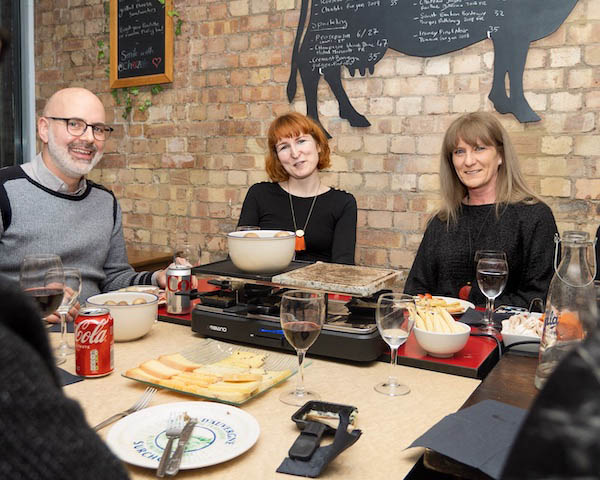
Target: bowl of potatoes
134,313
439,334
261,251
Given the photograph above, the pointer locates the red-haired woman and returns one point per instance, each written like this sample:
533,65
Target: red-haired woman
324,218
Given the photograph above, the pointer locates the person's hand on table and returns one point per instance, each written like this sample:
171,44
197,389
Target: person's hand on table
161,278
55,317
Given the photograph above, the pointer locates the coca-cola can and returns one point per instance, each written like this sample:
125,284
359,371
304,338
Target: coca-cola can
179,281
94,342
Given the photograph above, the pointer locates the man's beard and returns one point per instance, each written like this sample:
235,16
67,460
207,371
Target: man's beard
65,163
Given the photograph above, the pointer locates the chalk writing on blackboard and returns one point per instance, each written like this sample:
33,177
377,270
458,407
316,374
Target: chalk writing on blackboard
141,43
357,33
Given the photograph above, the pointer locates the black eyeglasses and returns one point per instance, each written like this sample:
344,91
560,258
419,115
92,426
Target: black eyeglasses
77,127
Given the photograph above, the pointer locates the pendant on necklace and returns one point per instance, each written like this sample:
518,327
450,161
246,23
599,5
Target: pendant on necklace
300,242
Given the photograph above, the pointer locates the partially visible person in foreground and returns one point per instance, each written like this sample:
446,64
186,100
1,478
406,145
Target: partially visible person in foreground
323,217
43,434
48,206
560,437
485,204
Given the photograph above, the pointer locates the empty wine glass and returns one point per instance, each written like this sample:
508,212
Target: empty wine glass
72,290
42,278
302,314
492,274
395,320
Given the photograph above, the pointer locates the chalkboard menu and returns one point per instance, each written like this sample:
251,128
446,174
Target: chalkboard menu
141,43
356,34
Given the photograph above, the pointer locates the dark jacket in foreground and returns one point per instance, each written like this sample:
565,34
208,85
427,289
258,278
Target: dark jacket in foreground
560,437
43,434
445,259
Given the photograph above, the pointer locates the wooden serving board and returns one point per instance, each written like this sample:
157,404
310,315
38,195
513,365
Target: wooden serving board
338,278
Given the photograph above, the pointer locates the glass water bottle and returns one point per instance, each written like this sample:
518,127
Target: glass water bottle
571,305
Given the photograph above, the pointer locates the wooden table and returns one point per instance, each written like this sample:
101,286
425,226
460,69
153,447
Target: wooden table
148,260
389,425
511,382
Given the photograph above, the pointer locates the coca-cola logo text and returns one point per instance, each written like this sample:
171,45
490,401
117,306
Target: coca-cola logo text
178,284
85,334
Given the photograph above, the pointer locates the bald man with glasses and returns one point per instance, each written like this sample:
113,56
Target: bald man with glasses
48,205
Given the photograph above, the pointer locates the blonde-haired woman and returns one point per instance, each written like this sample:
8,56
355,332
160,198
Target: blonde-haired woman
323,217
485,205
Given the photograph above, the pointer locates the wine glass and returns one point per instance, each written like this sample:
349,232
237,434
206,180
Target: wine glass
479,254
395,320
42,278
302,314
492,274
72,290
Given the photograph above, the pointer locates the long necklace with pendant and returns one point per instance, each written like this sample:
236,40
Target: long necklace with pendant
300,241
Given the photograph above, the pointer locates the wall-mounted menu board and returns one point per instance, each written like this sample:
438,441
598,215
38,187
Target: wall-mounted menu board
356,34
141,43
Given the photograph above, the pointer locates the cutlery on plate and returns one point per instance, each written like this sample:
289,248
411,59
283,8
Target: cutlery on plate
141,403
175,424
175,461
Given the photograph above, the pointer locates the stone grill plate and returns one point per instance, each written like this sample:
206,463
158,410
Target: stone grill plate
338,278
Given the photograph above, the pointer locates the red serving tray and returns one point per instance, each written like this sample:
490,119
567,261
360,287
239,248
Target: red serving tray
186,318
475,360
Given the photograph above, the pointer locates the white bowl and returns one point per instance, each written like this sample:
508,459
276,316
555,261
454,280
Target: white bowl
443,345
509,337
130,321
259,251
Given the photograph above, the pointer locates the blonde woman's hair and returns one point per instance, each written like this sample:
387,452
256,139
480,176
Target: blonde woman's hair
482,128
293,125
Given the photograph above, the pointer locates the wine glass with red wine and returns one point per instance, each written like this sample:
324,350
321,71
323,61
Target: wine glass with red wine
302,314
42,278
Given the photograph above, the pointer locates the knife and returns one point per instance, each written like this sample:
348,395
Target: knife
175,461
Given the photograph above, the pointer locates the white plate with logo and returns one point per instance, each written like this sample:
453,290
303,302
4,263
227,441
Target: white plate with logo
223,432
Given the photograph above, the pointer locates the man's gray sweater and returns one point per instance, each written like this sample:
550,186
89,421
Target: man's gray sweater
85,230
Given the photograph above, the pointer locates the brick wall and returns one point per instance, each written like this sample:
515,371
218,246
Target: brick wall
186,162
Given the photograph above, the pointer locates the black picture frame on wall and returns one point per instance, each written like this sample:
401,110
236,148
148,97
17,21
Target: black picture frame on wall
11,95
141,43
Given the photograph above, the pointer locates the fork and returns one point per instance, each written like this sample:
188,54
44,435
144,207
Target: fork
174,427
141,403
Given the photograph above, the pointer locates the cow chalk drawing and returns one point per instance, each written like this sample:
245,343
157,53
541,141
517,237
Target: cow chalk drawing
357,33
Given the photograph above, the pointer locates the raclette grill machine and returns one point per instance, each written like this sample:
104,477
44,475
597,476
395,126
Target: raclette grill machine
245,310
